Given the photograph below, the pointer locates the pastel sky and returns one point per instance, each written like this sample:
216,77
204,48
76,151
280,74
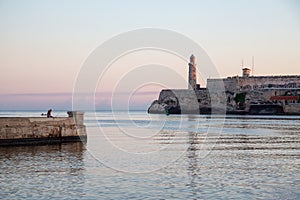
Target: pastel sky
44,43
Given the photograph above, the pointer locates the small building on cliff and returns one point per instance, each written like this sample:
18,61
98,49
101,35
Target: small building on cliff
232,95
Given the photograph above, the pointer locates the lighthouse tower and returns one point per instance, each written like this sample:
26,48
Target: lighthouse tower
192,73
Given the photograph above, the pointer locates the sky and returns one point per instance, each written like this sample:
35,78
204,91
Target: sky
45,43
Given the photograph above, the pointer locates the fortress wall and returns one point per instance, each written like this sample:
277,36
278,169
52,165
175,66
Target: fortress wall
24,130
289,81
235,84
227,84
187,99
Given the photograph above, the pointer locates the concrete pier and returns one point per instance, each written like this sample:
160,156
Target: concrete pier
42,130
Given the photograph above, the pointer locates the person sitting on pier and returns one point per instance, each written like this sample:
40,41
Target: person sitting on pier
49,113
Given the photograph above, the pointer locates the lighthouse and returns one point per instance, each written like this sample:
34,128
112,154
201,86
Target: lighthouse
192,73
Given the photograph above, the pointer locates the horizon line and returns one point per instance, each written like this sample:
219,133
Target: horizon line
71,93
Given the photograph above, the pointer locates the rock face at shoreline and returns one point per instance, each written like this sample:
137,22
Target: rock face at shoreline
42,130
187,102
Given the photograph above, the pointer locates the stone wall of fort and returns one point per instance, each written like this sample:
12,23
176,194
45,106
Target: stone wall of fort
185,99
237,83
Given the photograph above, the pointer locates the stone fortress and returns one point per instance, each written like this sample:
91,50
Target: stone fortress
232,95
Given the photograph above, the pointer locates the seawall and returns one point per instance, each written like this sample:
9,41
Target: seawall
42,130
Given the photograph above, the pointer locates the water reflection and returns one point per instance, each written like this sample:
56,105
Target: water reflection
32,171
74,147
192,156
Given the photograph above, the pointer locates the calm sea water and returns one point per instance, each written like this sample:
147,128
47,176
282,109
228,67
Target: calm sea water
139,156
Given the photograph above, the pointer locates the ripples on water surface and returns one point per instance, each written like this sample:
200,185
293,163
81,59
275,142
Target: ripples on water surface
255,157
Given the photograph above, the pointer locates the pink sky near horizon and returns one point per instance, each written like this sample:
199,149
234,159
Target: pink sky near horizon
63,101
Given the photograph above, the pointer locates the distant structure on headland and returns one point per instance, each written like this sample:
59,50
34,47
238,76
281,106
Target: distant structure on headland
232,95
246,72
